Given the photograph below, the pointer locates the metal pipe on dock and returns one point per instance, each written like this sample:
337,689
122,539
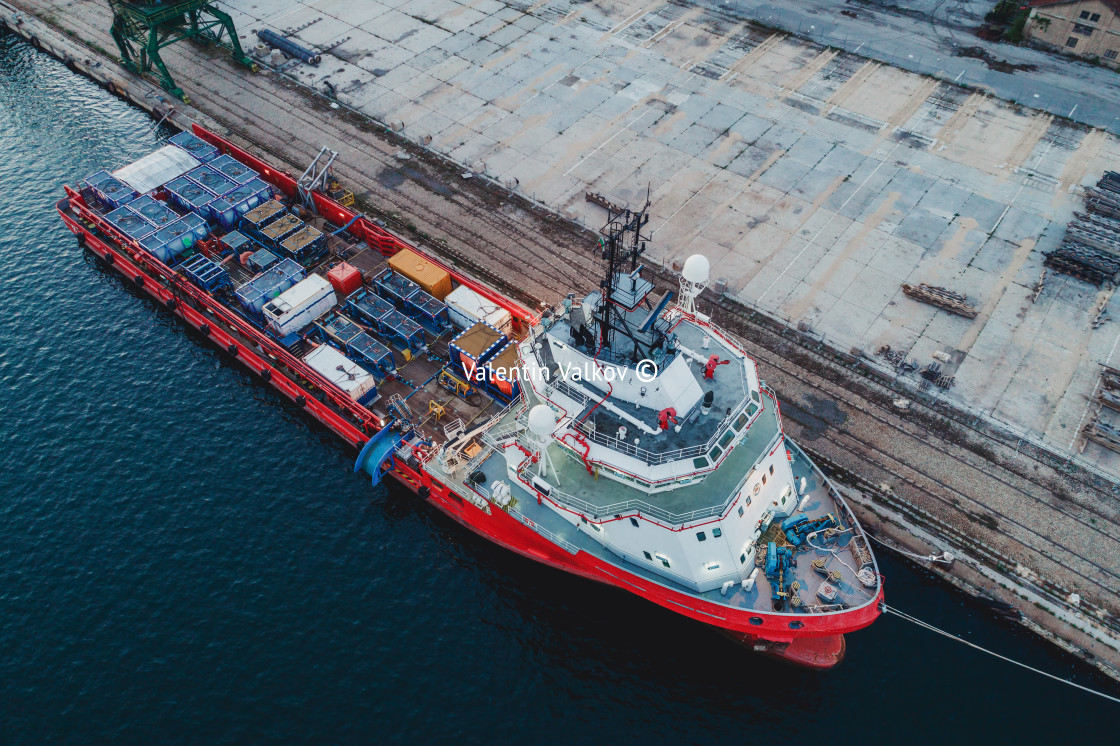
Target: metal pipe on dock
289,47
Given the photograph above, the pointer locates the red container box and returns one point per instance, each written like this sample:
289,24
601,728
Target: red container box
345,279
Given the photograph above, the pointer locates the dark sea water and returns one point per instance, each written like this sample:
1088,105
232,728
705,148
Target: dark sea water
184,558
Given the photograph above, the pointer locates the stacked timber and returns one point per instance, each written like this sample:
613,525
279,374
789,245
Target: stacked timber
1090,250
942,298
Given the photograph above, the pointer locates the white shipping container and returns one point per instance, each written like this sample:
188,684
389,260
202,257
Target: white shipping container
467,308
341,371
299,305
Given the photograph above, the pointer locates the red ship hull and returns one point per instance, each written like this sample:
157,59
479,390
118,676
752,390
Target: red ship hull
814,641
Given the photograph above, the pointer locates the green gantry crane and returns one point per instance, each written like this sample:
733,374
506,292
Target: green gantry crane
141,29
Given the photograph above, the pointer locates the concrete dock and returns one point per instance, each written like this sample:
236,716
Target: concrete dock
817,182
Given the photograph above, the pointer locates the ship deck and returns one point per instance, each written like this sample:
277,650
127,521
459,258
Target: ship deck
430,405
845,554
712,493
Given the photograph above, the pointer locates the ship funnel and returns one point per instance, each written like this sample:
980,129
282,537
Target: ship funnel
694,278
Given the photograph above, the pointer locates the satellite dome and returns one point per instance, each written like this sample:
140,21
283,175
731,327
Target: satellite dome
541,420
696,269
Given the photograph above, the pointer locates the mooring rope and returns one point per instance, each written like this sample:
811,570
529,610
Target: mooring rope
931,628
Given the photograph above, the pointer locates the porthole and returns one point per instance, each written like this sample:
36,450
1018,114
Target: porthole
741,511
755,620
796,624
757,489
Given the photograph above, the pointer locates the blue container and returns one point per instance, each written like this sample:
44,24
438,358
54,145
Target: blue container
238,243
247,196
212,180
131,223
196,225
364,349
368,307
111,191
431,314
403,330
202,151
395,288
172,240
233,169
262,259
206,273
269,284
189,194
153,210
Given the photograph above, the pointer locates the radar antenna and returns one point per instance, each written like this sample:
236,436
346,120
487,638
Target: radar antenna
694,278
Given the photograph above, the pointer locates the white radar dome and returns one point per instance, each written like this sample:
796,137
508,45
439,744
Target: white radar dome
542,421
696,269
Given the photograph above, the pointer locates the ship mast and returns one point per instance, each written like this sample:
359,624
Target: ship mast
622,241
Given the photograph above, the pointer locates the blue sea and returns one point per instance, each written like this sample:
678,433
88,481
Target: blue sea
186,558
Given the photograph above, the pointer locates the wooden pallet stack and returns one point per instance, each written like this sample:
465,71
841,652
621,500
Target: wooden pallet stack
1090,250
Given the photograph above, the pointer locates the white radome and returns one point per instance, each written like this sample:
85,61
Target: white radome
696,269
542,421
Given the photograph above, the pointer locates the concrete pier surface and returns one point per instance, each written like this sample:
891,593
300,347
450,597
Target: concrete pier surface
816,181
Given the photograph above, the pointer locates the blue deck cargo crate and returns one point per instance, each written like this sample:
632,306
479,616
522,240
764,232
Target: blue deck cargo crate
131,223
203,151
109,190
261,260
189,194
153,210
177,237
260,217
228,209
470,351
233,169
278,230
269,284
352,339
212,180
403,330
206,273
368,308
431,314
395,288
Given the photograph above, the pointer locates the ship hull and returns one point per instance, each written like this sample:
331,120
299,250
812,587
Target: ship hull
814,641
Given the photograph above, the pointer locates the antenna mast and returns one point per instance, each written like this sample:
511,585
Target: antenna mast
622,241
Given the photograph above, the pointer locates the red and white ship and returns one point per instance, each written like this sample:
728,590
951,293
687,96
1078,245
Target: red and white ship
619,436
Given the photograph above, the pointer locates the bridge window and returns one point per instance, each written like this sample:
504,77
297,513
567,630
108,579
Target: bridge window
771,468
700,536
648,556
634,521
717,532
743,558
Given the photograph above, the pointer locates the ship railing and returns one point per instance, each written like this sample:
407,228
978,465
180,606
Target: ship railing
665,457
567,545
653,511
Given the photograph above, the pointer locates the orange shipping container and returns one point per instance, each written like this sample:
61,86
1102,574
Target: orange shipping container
434,280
